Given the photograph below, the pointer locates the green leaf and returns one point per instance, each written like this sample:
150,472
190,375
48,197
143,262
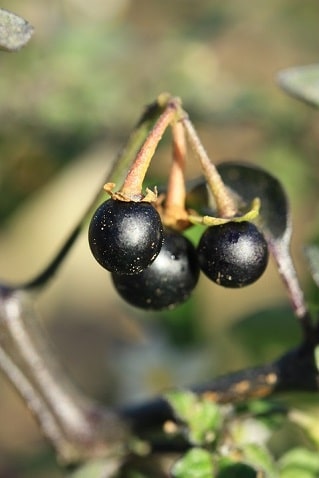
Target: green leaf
196,463
307,420
299,463
266,413
249,182
296,473
260,458
202,418
97,469
229,469
302,82
316,355
312,254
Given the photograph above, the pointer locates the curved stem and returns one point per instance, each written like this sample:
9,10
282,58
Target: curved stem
225,204
174,213
76,426
132,186
294,371
117,174
176,190
287,271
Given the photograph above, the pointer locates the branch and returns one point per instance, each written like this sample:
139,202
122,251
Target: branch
117,174
76,426
294,371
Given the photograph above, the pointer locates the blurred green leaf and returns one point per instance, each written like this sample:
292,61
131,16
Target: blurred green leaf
308,421
302,82
260,458
312,254
249,182
299,463
98,468
266,413
277,328
229,469
196,463
201,417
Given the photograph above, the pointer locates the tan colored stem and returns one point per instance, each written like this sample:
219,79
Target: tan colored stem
226,206
176,191
132,186
174,214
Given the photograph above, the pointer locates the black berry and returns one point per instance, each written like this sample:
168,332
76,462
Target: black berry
234,254
125,237
168,281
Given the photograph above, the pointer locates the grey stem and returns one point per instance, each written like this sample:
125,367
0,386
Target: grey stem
78,427
286,268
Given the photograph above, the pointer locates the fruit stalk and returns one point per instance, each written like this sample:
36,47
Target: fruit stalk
175,214
116,175
132,186
225,204
287,271
76,426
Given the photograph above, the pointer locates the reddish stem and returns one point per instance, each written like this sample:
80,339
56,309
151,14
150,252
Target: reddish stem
175,214
176,191
132,186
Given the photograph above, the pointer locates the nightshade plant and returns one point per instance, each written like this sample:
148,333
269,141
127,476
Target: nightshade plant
200,428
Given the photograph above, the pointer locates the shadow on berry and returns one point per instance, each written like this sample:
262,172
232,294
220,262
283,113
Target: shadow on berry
168,281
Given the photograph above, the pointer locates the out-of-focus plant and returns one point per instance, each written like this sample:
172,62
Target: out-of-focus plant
221,428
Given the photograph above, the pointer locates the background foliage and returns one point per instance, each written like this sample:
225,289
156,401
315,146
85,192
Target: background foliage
67,102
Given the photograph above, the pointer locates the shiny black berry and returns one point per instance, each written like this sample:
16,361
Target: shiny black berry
168,281
125,237
234,254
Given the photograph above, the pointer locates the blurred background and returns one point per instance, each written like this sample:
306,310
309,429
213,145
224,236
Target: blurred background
67,104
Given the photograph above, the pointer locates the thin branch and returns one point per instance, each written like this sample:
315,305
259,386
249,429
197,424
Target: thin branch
116,175
225,203
174,213
77,427
132,186
294,371
48,423
281,253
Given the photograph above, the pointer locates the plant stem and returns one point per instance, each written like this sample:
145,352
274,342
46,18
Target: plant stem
292,372
77,427
136,139
132,186
174,213
286,268
225,204
37,406
116,175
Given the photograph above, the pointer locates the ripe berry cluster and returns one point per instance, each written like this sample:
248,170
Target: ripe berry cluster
156,268
139,237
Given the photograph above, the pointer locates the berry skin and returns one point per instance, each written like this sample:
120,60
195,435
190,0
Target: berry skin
234,254
125,237
168,281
